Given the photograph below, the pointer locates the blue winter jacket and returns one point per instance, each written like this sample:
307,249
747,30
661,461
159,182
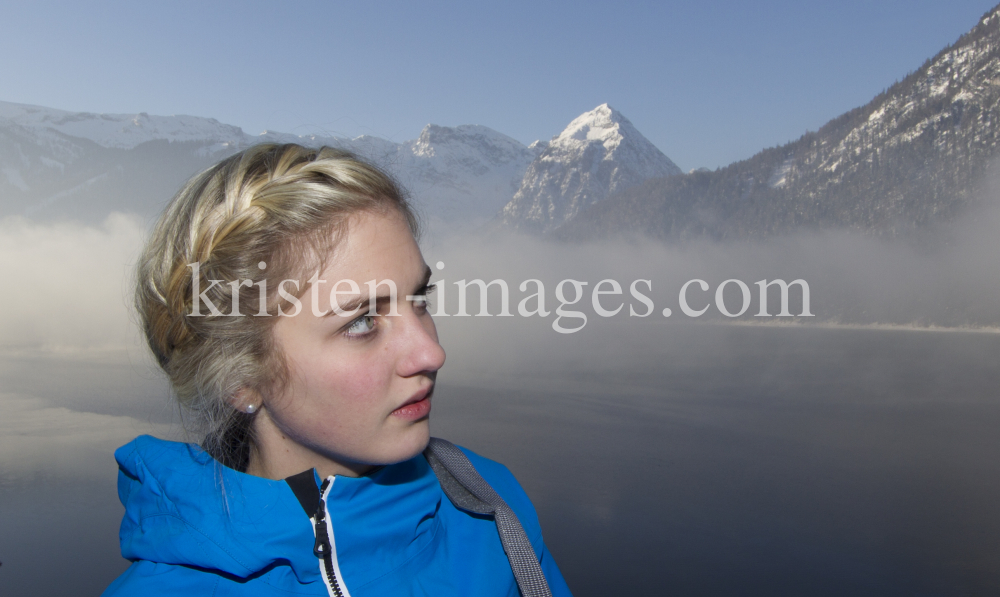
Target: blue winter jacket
195,527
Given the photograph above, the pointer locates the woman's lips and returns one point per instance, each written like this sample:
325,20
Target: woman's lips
417,407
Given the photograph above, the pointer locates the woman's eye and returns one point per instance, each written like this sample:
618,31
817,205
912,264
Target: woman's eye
361,326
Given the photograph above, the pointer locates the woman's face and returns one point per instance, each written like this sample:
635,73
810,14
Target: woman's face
359,386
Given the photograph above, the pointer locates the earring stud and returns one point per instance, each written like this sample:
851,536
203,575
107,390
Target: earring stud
250,409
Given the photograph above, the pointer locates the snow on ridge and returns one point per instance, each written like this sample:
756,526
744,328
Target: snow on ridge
465,141
467,171
779,177
122,131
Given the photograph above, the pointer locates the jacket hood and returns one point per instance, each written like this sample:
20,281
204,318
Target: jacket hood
183,507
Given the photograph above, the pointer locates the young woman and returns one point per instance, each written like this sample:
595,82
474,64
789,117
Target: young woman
285,296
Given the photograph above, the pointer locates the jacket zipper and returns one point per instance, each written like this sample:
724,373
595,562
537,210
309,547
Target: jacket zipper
324,549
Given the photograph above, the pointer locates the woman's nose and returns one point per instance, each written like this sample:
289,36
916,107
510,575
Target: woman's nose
422,351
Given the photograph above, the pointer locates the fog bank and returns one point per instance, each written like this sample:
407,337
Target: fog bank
67,282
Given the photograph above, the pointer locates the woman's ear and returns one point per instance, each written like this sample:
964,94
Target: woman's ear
246,400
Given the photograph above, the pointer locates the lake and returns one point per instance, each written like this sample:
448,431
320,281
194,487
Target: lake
682,459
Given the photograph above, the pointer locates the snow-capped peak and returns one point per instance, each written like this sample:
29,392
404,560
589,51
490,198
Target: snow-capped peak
603,124
598,154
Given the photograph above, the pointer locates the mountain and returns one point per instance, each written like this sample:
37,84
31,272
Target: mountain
120,131
56,164
464,173
598,154
913,157
59,164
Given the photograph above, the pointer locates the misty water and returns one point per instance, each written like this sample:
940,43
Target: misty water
668,458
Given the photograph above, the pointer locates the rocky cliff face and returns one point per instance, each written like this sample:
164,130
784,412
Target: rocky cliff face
598,154
912,157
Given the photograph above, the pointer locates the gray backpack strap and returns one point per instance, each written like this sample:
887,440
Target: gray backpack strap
469,491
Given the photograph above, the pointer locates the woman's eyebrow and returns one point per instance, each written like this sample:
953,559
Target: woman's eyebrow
355,303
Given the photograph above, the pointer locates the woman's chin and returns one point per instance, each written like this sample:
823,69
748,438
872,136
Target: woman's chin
411,442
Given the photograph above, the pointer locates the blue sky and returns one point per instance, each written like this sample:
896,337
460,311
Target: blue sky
707,82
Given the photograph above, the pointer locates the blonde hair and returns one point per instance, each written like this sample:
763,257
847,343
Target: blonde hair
284,206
